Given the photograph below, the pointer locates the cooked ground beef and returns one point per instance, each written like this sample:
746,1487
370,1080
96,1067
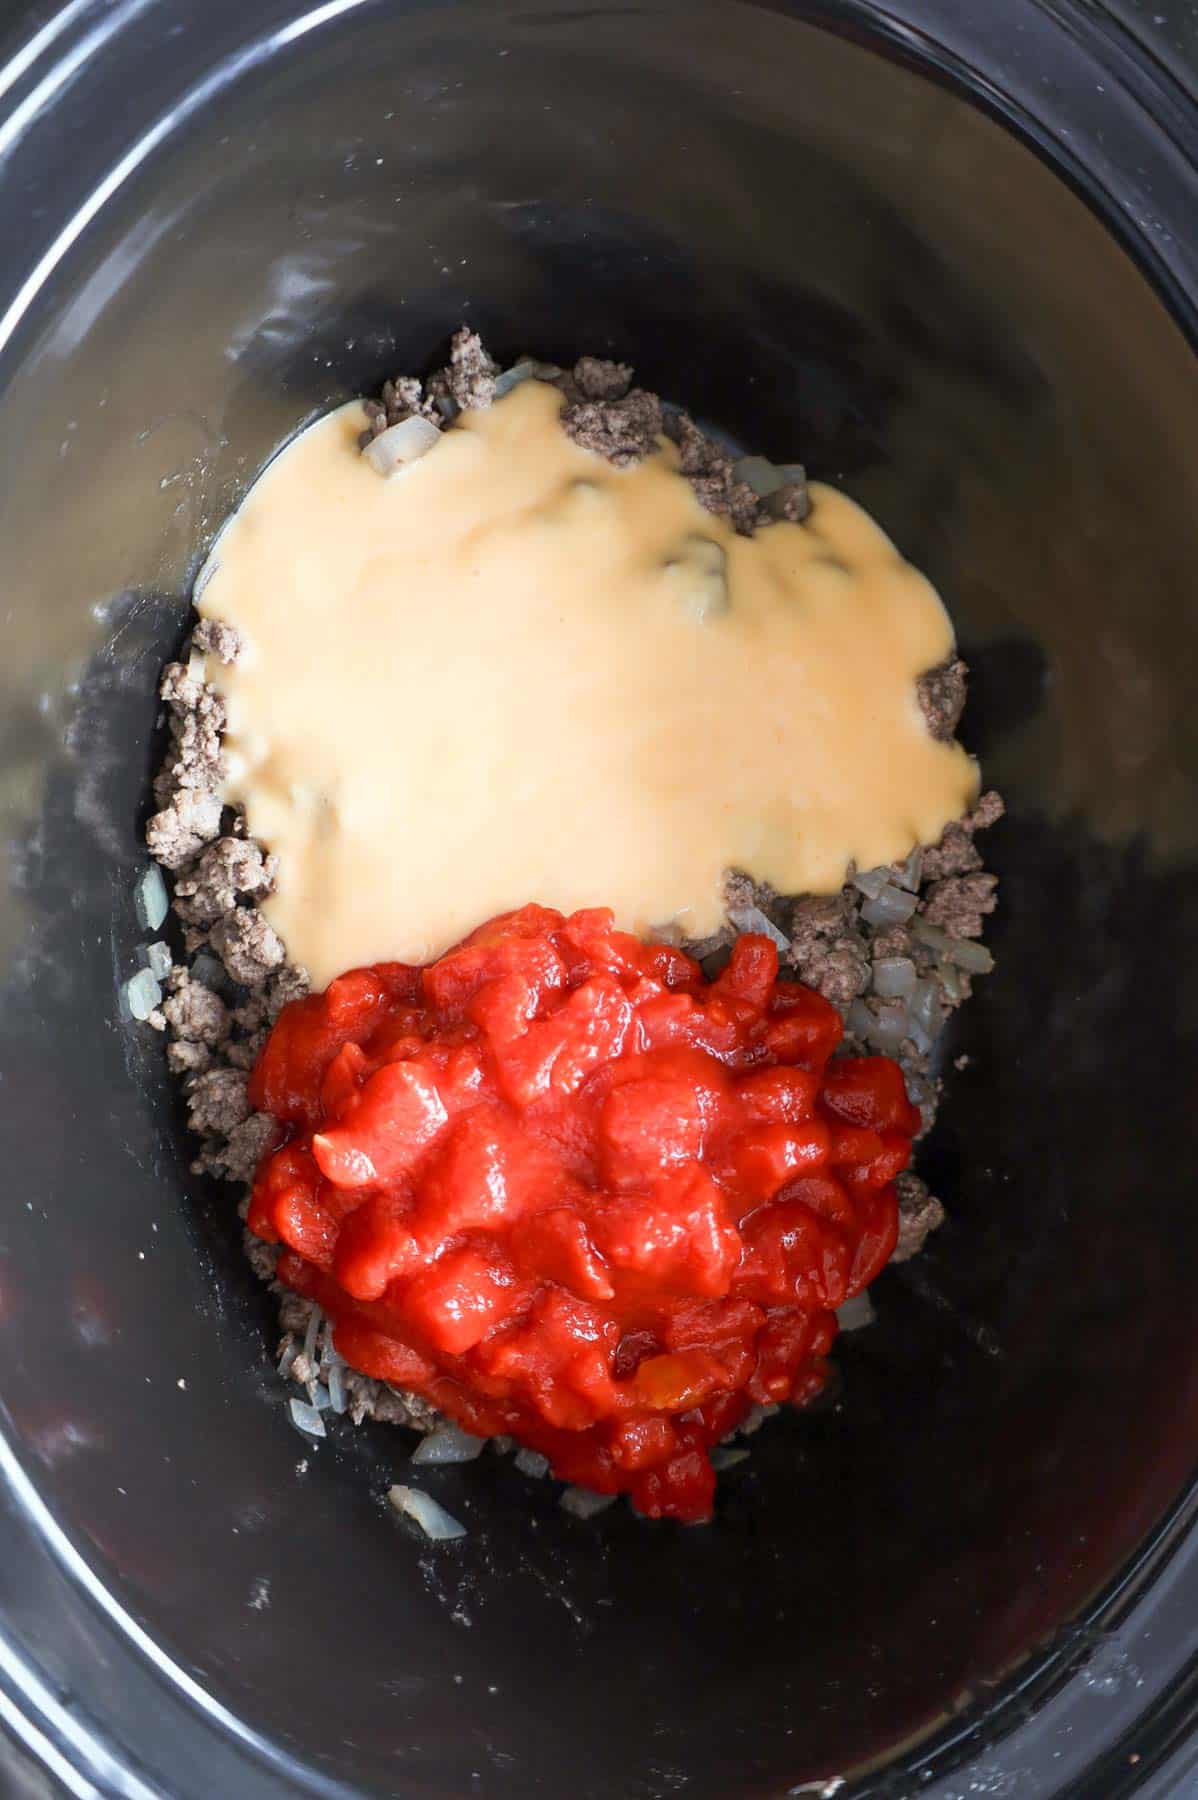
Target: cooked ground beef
187,783
942,696
211,638
624,431
603,412
597,379
249,948
959,905
919,1215
217,1013
223,873
194,1013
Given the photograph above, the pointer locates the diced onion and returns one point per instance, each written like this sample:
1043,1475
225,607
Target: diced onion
432,1519
931,935
149,898
531,1462
158,960
521,371
968,955
726,1457
209,971
751,918
756,1418
894,977
760,474
338,1399
448,1444
891,907
288,1357
584,1503
319,1395
949,977
793,493
925,1007
699,578
891,1024
909,874
859,1020
306,1418
141,994
310,1334
401,444
856,1313
920,1091
971,956
883,1027
871,882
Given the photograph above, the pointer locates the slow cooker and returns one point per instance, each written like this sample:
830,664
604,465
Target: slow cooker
947,253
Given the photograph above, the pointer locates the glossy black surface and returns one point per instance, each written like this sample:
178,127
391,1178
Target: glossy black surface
826,252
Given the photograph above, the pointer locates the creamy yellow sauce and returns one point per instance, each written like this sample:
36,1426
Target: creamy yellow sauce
512,672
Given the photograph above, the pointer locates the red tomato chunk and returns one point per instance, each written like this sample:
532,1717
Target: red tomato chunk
567,1189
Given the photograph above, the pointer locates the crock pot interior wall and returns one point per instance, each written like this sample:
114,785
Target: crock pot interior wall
828,255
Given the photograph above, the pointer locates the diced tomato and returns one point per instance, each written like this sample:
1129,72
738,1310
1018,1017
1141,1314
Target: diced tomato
680,1241
307,1035
792,1255
381,1356
779,1095
769,1156
869,1091
287,1169
879,1235
682,1488
343,1078
641,1442
782,1347
485,1176
751,973
375,1246
658,1121
555,1246
563,1187
459,1299
389,1125
552,1057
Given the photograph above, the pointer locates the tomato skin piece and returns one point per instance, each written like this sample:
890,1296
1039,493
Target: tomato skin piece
562,1187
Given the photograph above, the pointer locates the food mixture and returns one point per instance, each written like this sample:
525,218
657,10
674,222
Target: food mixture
573,649
606,787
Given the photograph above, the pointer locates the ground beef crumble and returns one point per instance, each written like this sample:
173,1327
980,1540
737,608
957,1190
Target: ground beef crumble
959,905
217,1013
624,431
920,1213
941,694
